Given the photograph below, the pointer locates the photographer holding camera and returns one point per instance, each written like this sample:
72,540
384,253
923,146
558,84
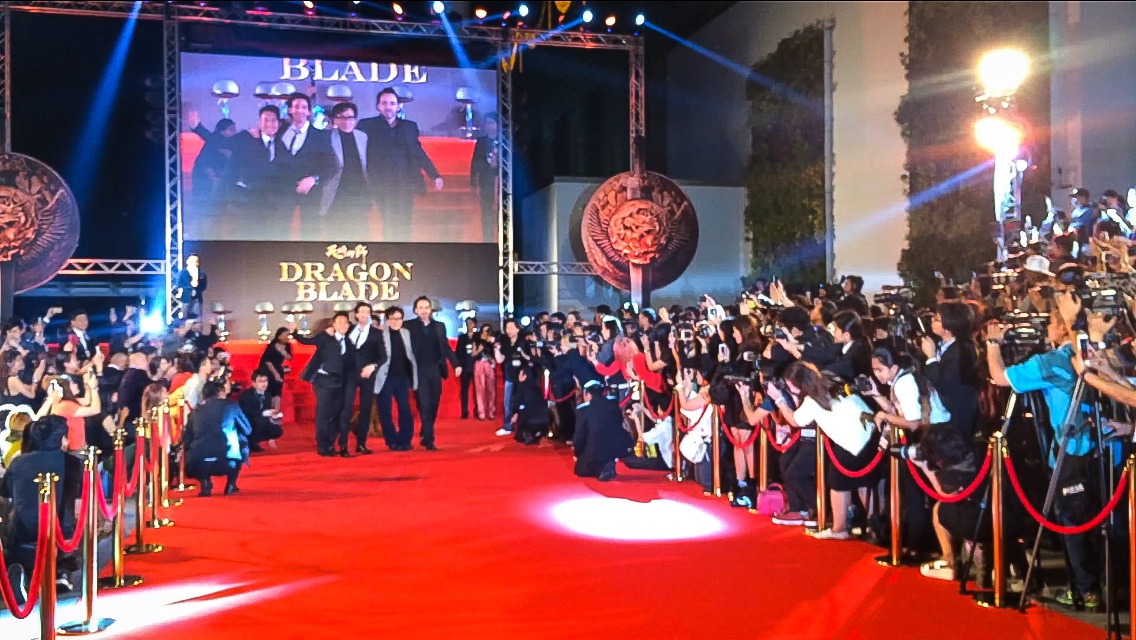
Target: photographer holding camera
843,417
1052,374
952,364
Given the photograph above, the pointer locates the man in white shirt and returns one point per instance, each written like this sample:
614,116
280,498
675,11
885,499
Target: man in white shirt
304,155
196,382
369,353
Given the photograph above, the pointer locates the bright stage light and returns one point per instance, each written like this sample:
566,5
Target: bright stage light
480,13
439,7
397,8
640,19
1002,71
308,4
621,519
152,324
610,21
999,136
523,10
587,15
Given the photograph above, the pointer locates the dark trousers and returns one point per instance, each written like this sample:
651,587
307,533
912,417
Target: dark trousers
365,388
798,475
205,470
329,411
396,390
566,412
264,430
429,396
396,207
466,381
487,196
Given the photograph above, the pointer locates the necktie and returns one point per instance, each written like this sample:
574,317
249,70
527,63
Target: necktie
358,338
268,146
294,147
260,399
342,345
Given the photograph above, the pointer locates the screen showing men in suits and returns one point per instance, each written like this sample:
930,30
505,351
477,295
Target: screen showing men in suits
298,149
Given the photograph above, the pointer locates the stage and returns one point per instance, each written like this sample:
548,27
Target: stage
486,538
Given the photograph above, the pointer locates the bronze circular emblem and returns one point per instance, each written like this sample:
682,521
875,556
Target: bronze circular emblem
39,220
639,220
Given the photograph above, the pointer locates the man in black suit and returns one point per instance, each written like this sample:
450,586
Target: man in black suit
252,183
369,354
395,162
347,192
431,351
305,156
326,372
257,407
483,177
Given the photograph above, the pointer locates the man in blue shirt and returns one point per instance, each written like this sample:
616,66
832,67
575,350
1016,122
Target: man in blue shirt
1052,374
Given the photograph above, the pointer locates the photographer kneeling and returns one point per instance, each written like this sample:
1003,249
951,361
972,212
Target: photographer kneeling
1052,374
600,437
843,417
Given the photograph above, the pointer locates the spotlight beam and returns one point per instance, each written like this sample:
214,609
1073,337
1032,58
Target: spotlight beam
740,69
81,173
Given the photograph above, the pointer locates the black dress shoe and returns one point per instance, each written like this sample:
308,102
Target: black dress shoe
343,453
230,489
206,489
255,448
363,450
430,447
326,453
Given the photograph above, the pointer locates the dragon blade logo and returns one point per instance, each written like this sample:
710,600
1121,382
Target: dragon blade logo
346,276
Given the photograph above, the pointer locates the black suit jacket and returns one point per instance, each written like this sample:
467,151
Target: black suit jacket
371,351
481,174
327,358
395,157
314,158
250,405
251,177
957,379
418,338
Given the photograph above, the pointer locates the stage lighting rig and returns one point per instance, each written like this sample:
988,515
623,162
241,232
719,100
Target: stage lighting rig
610,21
587,15
480,13
398,10
640,19
523,10
439,7
309,5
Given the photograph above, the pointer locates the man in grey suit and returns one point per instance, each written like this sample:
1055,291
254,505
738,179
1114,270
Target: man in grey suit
347,191
394,381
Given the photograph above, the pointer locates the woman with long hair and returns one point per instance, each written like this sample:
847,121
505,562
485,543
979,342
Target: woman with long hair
484,374
65,402
846,420
12,365
275,358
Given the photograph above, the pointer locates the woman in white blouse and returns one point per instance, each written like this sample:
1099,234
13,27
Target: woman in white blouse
846,420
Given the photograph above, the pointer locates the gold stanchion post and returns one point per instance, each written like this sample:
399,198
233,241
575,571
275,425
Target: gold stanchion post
997,598
895,551
182,486
1131,549
762,460
677,463
46,484
142,433
153,470
715,451
90,525
119,579
165,444
822,487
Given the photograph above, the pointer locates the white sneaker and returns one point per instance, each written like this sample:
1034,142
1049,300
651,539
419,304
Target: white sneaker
504,432
829,534
937,570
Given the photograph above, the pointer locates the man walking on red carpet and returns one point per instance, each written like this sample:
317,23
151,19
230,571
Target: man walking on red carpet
432,350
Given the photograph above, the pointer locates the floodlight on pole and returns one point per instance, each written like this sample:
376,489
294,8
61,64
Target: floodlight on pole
1002,71
999,136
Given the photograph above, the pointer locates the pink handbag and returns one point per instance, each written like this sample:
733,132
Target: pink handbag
771,501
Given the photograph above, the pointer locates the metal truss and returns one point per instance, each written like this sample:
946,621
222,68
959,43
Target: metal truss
638,101
574,39
139,289
505,183
171,88
87,267
530,268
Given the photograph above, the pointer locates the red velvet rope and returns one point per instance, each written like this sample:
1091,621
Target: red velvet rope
131,483
68,545
109,510
626,401
741,445
780,448
1062,529
852,474
954,497
662,414
694,422
37,575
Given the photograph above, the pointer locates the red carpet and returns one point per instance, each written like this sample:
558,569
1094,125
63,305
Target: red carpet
459,543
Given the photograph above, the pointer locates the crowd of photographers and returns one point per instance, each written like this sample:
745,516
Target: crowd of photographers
788,366
61,392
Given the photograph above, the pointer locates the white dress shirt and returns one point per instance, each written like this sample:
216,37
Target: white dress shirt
359,334
294,138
